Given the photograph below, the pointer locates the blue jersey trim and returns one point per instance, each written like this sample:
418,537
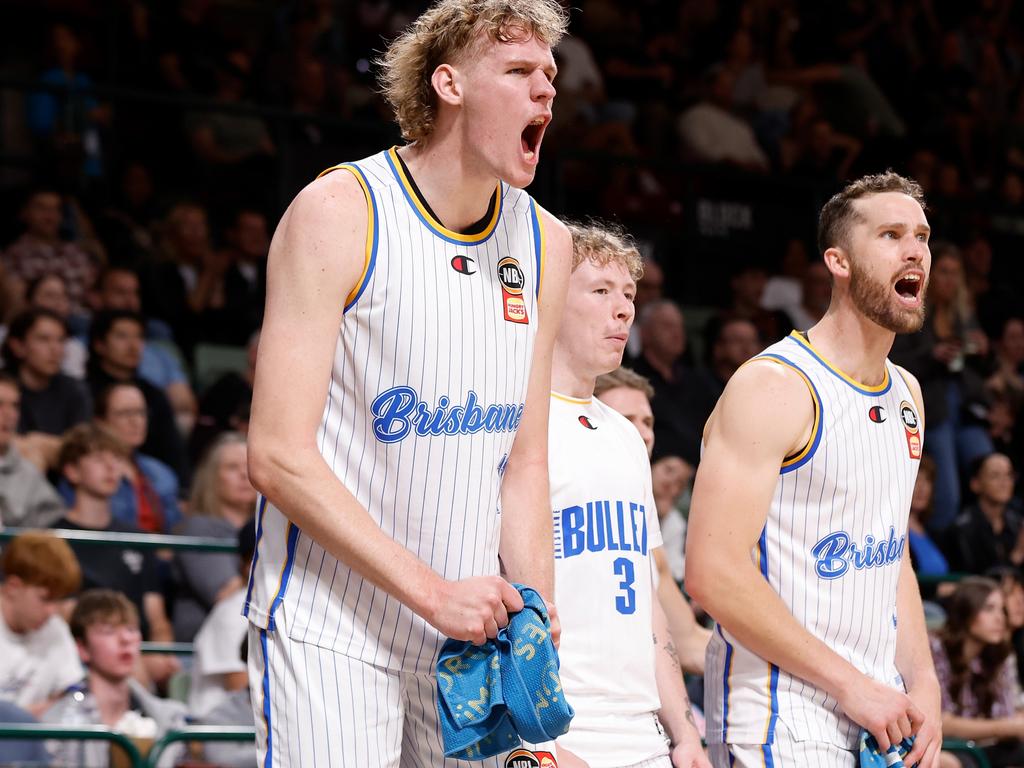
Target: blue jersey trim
725,684
435,227
261,508
268,758
286,572
538,246
807,453
853,384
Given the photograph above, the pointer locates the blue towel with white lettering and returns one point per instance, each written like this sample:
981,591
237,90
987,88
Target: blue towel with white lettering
492,696
871,756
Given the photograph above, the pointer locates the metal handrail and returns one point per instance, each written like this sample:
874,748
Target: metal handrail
238,733
177,649
138,540
37,731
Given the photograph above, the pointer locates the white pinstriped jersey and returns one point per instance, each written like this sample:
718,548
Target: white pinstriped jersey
605,525
831,549
427,390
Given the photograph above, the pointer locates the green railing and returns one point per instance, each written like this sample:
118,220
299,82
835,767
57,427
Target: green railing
239,733
137,540
968,748
36,731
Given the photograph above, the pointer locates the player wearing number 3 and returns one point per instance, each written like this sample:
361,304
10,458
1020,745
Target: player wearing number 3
626,688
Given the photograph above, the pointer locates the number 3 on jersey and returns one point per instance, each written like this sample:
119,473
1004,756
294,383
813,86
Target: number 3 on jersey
625,603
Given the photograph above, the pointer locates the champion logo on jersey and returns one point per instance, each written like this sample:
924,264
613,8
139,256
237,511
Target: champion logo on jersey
464,265
525,758
877,414
587,422
398,410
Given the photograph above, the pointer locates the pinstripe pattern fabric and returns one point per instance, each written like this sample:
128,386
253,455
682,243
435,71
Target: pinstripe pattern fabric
784,753
831,549
316,707
427,390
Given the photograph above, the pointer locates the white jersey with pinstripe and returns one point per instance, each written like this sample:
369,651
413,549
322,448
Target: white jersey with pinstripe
427,390
605,525
831,549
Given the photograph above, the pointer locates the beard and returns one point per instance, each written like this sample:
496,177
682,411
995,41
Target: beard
875,301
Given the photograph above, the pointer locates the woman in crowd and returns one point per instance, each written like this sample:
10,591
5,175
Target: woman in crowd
977,672
50,292
148,494
222,502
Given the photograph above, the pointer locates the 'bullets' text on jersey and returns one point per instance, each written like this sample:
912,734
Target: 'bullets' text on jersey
427,390
831,548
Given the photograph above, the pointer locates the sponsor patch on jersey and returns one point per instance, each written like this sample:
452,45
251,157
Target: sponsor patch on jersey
912,427
525,758
909,417
587,422
515,309
877,414
463,265
512,280
510,275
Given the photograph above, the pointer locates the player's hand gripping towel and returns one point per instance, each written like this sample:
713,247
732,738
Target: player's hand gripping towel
492,695
871,755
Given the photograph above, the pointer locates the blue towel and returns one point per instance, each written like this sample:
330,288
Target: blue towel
871,756
492,695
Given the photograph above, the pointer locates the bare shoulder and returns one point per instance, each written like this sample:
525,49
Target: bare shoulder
915,388
557,260
321,236
768,402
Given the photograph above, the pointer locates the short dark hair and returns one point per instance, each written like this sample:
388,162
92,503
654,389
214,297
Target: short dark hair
101,406
98,605
19,329
103,322
84,439
838,213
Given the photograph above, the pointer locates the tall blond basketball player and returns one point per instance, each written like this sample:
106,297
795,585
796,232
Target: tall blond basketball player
399,422
797,530
619,667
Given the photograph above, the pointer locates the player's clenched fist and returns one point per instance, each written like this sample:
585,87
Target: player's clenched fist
888,714
474,609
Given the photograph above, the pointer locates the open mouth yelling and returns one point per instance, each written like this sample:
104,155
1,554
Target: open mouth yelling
909,288
531,137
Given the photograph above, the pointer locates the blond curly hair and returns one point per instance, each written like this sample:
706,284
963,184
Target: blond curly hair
602,243
443,33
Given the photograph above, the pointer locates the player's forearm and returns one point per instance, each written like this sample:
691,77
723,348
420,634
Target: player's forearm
691,639
675,713
298,482
732,591
527,540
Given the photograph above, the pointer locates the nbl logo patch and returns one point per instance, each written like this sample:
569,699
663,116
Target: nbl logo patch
512,280
524,758
912,428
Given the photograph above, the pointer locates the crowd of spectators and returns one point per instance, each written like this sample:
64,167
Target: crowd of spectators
161,141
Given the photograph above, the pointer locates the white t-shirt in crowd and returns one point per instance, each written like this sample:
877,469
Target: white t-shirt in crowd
37,665
216,653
